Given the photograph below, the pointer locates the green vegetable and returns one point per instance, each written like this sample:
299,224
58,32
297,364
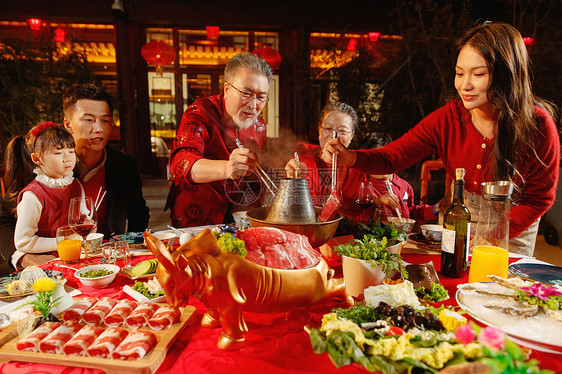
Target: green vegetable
141,288
358,314
230,244
96,273
553,302
374,251
145,267
436,293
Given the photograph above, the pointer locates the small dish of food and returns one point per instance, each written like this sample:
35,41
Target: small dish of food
432,232
148,292
97,276
400,224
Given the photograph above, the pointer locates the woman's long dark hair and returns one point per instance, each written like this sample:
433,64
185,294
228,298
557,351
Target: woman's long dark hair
510,92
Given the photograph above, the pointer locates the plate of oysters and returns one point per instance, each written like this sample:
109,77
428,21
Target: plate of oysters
494,304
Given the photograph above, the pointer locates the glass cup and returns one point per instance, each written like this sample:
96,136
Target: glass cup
487,260
122,254
69,245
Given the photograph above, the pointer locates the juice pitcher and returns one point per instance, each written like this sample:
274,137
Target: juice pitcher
493,221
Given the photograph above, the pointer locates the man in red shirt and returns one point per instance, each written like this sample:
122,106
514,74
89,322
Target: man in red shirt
206,163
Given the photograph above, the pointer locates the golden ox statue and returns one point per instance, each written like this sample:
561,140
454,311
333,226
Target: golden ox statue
228,284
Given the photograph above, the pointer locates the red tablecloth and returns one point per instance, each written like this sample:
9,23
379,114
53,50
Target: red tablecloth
274,344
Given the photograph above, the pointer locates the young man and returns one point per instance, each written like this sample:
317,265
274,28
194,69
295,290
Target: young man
206,158
88,117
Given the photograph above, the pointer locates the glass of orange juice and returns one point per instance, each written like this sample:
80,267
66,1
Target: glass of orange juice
69,245
486,260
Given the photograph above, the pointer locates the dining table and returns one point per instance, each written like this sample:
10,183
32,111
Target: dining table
275,343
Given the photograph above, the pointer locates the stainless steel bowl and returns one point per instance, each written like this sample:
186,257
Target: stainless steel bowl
317,233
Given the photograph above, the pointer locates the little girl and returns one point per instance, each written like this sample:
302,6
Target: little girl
43,204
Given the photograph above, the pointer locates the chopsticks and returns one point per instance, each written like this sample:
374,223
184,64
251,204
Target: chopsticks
297,161
261,173
334,166
389,188
98,201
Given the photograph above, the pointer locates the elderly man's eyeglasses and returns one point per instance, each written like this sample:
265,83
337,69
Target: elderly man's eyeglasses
342,131
250,95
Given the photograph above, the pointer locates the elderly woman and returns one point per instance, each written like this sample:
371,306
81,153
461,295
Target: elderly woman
342,119
497,129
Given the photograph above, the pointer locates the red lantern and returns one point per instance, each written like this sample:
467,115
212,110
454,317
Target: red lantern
34,23
213,33
158,53
528,40
270,55
60,35
352,45
374,36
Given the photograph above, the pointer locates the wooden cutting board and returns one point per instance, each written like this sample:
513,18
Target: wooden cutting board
147,364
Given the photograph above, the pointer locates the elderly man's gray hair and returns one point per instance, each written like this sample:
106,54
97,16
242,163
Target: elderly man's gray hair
248,61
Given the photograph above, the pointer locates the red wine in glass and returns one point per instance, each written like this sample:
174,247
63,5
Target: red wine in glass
83,230
365,195
364,204
82,218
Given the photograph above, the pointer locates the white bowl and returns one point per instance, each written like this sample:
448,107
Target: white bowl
405,224
432,232
99,282
165,237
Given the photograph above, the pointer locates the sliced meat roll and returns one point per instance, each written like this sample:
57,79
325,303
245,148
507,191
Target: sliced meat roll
82,340
106,343
54,342
117,316
140,316
164,317
96,314
80,306
135,346
31,342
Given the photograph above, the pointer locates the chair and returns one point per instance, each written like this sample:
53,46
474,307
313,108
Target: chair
425,176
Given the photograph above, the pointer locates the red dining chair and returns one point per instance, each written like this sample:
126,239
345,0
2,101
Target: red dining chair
425,177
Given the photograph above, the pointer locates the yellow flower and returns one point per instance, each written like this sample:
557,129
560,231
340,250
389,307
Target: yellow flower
44,285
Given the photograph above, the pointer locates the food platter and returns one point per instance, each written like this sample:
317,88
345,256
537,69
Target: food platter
540,332
4,281
145,365
421,240
141,298
538,272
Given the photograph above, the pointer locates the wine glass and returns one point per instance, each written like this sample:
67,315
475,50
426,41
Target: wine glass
365,196
82,218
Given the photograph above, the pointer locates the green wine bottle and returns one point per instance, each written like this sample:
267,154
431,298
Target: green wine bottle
456,233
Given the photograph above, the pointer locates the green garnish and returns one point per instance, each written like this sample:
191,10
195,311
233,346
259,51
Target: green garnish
374,251
140,287
358,314
436,293
229,243
96,273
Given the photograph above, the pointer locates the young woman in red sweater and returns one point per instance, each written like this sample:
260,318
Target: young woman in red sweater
496,130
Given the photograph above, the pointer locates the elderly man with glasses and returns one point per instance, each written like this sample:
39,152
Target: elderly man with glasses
206,159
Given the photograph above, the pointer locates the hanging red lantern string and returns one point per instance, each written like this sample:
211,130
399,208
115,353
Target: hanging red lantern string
158,53
270,55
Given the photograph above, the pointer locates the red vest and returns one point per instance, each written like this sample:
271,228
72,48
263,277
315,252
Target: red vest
55,203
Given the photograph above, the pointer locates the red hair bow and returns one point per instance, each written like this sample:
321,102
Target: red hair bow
39,129
42,127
